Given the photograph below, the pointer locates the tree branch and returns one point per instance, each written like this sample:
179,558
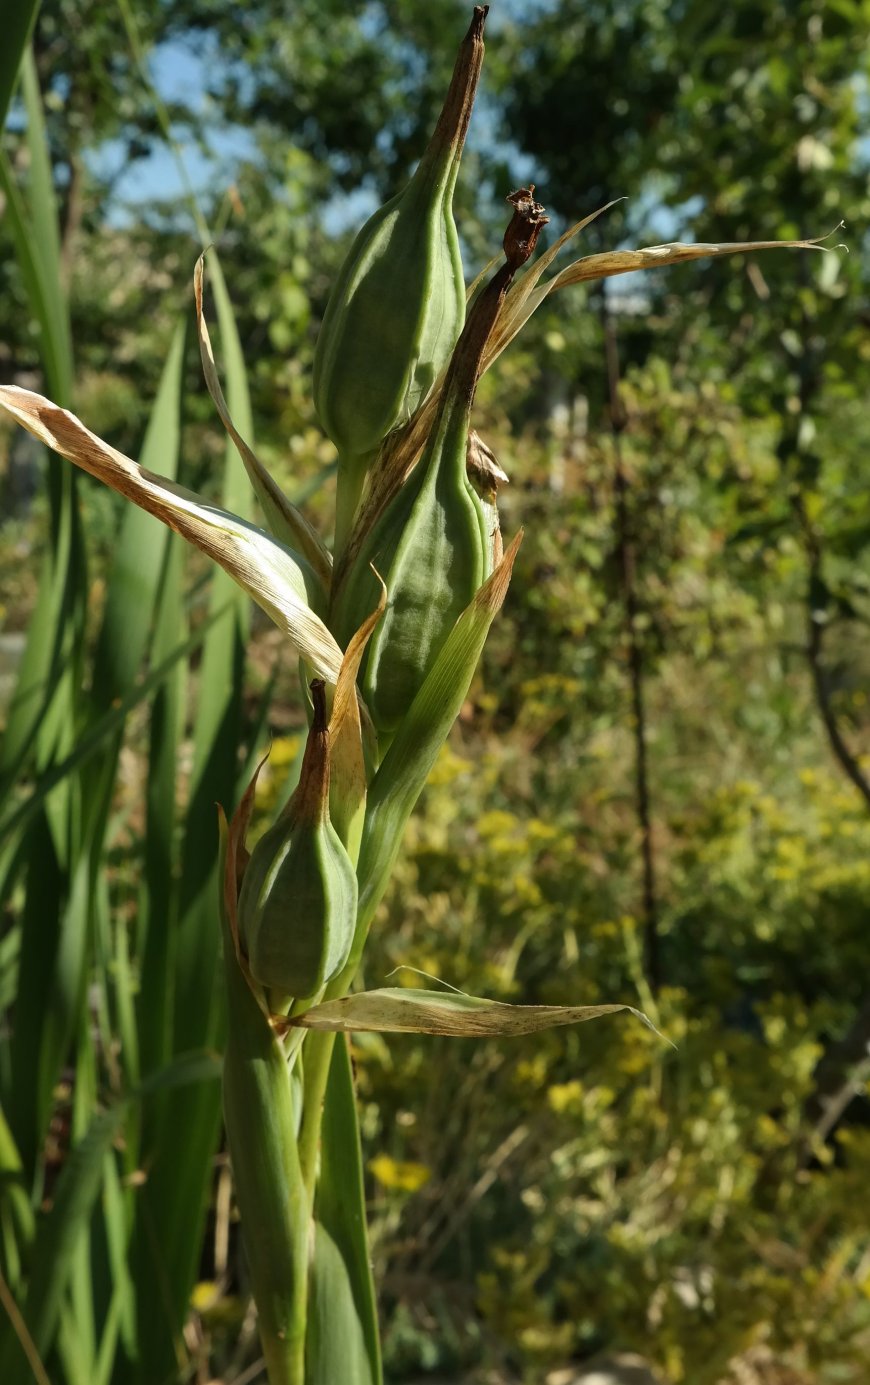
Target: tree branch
816,622
628,569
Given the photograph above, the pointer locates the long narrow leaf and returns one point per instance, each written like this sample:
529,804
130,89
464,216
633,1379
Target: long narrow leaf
76,1191
340,1213
525,300
181,1133
45,698
18,24
604,266
287,523
335,1347
79,1185
159,889
99,732
139,555
395,1010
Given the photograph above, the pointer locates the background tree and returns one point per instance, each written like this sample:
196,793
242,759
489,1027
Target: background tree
683,1207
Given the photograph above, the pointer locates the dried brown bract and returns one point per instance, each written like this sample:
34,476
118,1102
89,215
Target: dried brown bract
526,225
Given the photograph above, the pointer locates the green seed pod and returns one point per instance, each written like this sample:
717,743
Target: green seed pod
398,305
434,542
297,904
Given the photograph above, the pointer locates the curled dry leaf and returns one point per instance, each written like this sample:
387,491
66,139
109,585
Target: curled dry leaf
486,475
513,314
280,581
676,252
528,294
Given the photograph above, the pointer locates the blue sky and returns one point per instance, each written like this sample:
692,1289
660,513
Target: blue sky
178,71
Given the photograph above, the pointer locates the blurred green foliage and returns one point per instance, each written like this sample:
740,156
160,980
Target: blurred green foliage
540,1200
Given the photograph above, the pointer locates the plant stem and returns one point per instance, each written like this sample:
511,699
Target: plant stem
351,475
317,1058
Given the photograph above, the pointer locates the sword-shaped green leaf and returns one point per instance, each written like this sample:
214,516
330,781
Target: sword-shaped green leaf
340,1214
287,523
59,1233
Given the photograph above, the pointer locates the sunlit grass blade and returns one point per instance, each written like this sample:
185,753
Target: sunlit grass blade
99,733
138,559
282,518
35,228
45,708
117,1214
17,1218
41,700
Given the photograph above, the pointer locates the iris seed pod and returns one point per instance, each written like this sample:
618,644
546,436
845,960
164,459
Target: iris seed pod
297,904
398,305
434,543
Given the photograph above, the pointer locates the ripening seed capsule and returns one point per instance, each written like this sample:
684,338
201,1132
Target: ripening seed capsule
430,547
298,900
398,305
435,541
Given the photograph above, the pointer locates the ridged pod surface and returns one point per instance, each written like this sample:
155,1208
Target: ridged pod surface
433,545
397,307
297,904
430,547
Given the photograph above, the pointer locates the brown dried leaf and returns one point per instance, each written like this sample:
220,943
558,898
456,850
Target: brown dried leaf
348,784
657,256
281,582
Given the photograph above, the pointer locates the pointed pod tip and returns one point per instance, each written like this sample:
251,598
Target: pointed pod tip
478,20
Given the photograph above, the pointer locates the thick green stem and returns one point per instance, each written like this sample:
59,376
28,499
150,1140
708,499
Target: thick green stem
317,1058
273,1202
351,478
271,1196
